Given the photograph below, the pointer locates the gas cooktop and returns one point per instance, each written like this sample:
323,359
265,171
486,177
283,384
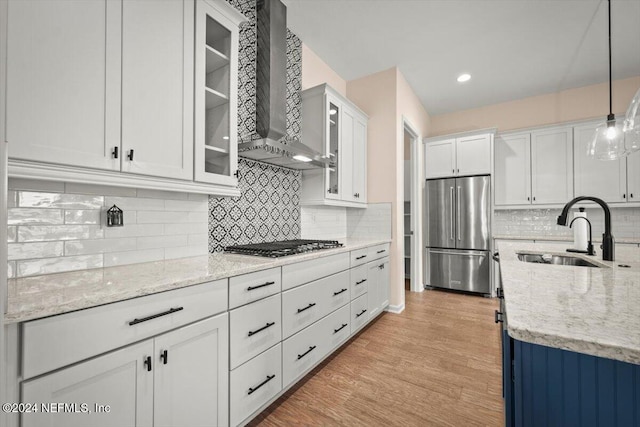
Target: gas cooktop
282,248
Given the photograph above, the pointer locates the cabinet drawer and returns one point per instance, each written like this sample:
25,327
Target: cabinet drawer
378,251
254,286
254,383
359,312
359,279
359,257
57,341
305,304
306,348
307,271
253,329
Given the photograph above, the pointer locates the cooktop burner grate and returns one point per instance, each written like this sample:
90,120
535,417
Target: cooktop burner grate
282,248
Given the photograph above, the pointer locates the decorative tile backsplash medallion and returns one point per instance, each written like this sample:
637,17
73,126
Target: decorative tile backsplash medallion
268,208
269,204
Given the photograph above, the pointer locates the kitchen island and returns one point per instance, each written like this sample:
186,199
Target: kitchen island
571,339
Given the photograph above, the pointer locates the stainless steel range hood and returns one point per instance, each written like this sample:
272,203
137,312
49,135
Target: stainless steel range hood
271,87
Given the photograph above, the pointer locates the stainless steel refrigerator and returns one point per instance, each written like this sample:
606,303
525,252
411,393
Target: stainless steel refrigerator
458,233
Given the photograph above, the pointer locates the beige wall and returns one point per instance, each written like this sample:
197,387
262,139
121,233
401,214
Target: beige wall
386,97
569,105
315,71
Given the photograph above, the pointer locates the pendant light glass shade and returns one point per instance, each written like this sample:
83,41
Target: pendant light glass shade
608,142
632,125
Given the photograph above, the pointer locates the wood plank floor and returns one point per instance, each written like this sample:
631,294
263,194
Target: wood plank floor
438,363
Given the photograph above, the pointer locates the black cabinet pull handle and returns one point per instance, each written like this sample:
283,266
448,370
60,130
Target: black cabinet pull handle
268,325
236,174
153,316
300,356
164,356
498,317
631,196
496,257
361,256
364,310
381,266
361,281
381,251
528,198
300,310
269,378
147,363
250,288
115,152
624,196
340,291
534,198
500,293
344,325
130,155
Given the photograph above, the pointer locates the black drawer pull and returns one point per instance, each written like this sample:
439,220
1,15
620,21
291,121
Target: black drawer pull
300,310
344,325
361,281
498,317
147,363
130,155
269,378
268,325
300,356
154,316
250,288
339,292
381,266
114,153
361,256
364,310
164,356
381,251
500,293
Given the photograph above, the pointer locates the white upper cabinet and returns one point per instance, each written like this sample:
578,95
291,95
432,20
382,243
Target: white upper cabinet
633,177
468,155
552,166
512,174
333,125
157,88
604,179
63,81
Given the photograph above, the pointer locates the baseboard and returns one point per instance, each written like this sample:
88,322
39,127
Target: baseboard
396,309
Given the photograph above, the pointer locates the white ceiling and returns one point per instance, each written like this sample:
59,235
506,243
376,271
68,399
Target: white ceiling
512,48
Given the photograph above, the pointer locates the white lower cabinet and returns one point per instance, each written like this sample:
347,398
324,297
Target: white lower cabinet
255,383
359,312
178,378
378,287
359,279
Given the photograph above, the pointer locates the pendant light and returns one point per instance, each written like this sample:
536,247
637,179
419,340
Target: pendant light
632,125
608,141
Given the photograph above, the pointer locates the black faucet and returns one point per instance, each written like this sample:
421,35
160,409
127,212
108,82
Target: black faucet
608,248
589,250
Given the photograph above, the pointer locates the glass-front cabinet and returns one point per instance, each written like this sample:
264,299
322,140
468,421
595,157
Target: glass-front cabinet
216,140
333,144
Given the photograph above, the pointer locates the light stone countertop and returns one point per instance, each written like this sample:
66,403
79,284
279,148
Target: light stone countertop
40,296
593,311
551,238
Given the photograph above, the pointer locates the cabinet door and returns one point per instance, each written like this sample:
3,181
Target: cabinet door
604,179
552,166
63,81
119,379
633,176
191,382
440,158
512,166
384,282
157,88
360,160
473,155
373,293
347,128
333,140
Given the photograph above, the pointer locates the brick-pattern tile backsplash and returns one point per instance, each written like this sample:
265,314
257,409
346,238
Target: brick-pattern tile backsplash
57,227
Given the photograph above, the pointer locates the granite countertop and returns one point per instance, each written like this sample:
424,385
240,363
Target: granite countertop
40,296
568,238
593,311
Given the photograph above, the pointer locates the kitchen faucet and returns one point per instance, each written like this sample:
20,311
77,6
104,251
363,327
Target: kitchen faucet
608,249
590,244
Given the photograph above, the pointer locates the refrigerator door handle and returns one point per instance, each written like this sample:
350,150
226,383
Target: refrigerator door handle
465,253
451,205
458,213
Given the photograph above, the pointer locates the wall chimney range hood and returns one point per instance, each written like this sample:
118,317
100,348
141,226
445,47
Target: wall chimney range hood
273,146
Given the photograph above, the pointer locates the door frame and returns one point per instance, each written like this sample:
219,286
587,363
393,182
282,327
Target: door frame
417,190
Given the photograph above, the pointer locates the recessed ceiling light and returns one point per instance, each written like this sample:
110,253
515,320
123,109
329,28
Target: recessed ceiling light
464,78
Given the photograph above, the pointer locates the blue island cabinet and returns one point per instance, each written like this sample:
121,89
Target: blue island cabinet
548,387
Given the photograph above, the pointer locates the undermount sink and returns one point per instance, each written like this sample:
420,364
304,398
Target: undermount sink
556,260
